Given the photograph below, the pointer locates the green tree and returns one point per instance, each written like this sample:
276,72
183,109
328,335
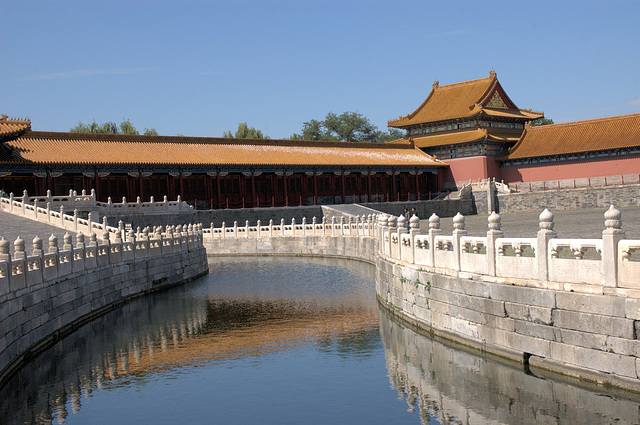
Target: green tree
245,132
541,121
110,127
346,127
392,134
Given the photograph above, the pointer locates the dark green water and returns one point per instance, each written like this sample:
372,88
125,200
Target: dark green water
277,341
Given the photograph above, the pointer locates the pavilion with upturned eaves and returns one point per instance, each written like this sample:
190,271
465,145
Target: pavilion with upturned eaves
468,125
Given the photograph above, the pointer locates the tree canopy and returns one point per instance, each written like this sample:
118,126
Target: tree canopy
346,127
542,121
245,132
110,127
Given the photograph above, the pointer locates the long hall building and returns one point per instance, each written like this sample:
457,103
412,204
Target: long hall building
215,172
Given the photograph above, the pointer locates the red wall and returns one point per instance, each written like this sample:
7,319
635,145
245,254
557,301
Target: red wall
571,170
473,168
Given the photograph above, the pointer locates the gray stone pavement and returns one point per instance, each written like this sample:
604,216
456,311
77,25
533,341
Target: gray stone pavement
583,224
12,226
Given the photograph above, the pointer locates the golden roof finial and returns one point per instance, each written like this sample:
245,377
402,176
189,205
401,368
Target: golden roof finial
492,73
4,118
436,84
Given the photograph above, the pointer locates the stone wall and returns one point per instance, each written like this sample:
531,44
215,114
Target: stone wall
43,298
570,199
255,214
440,207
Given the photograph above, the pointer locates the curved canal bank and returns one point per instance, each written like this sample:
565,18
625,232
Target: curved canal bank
46,296
584,331
275,340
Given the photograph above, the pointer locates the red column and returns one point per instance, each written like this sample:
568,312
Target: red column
219,192
343,188
141,185
417,186
286,193
369,186
253,190
315,188
393,185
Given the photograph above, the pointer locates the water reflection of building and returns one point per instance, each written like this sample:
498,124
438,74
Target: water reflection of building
162,333
457,387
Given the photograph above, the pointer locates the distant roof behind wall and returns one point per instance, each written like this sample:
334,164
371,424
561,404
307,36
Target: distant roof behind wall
601,134
467,99
111,149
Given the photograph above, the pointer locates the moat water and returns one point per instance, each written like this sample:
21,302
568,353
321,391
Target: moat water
277,341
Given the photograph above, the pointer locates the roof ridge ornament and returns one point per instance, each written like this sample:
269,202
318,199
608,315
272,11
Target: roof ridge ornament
436,84
492,74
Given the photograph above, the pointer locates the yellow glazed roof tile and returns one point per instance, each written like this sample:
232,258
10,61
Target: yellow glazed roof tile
74,148
600,134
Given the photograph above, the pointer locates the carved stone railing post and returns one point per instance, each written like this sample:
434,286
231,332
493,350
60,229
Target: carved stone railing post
434,230
25,201
393,221
282,227
19,253
304,226
62,216
545,234
314,224
224,230
383,227
235,229
53,244
48,212
4,250
90,222
79,241
93,239
258,224
493,233
75,220
67,245
270,227
293,226
458,232
37,247
610,238
333,226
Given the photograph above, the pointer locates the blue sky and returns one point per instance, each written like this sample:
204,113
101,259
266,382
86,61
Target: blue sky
199,68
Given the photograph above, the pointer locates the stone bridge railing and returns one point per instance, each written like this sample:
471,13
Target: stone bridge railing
88,202
49,291
583,265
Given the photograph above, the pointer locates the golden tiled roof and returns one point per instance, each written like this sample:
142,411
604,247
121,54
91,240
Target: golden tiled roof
75,148
465,136
464,100
13,127
599,134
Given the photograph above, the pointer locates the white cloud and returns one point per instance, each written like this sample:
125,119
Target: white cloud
635,101
83,73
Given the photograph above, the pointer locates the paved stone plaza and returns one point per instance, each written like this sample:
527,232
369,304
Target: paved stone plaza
12,226
583,224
